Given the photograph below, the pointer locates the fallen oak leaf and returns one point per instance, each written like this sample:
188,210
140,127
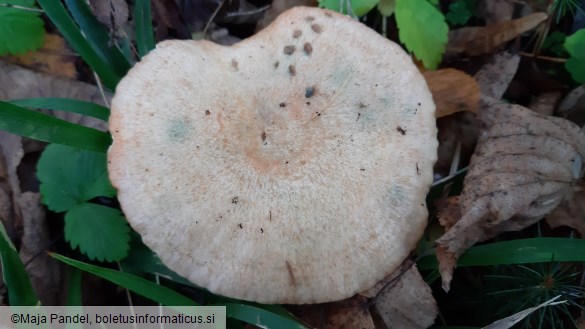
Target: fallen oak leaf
453,91
474,40
524,165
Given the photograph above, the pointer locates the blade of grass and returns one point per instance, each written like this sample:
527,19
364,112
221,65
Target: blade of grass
21,121
71,32
144,33
138,285
260,317
97,36
74,296
523,251
67,105
20,290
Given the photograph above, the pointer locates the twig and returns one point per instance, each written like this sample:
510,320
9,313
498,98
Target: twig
544,58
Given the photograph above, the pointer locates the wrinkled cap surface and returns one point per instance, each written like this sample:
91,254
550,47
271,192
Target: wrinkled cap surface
289,168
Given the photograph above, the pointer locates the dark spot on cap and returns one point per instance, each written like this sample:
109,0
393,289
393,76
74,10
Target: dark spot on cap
289,49
297,33
235,64
317,28
328,15
235,200
207,112
291,275
401,130
276,65
261,230
363,169
308,48
308,103
309,18
241,226
283,104
263,136
292,70
309,92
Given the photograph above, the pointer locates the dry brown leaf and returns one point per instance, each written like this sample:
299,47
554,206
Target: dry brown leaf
43,271
495,11
453,91
495,77
350,313
53,58
448,211
570,213
545,103
112,13
481,40
18,83
408,303
280,6
524,165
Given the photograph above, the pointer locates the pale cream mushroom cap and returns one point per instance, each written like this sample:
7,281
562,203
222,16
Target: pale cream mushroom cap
289,168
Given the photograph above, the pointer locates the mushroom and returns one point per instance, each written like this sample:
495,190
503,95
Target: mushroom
291,167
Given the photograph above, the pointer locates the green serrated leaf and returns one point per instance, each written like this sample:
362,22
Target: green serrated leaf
100,232
71,176
575,44
423,30
577,69
458,13
21,30
20,290
358,7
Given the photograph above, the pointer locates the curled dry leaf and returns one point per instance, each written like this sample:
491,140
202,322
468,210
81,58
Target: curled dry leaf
495,77
570,213
524,165
481,40
453,91
346,314
407,300
42,269
545,103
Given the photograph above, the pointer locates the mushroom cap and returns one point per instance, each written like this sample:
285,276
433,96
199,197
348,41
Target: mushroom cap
291,167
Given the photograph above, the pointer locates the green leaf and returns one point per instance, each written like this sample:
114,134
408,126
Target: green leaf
577,69
74,295
260,317
358,7
70,176
138,285
21,121
422,29
143,22
21,30
458,13
523,251
100,232
97,36
20,290
97,60
575,44
66,104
